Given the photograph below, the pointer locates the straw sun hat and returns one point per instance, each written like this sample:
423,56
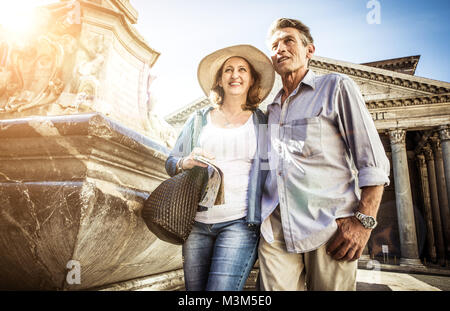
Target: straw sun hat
208,67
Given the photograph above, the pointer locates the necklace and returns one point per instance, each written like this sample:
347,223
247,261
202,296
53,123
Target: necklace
228,123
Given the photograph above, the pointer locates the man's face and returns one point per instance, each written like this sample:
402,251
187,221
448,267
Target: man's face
288,52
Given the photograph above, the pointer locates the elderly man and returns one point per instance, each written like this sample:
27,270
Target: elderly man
317,214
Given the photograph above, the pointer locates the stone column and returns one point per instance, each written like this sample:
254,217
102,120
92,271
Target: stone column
437,224
422,166
442,191
444,133
403,200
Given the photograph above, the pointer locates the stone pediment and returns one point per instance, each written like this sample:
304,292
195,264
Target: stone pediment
376,76
379,84
406,65
381,91
178,117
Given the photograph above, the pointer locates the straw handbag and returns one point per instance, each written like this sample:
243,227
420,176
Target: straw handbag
170,209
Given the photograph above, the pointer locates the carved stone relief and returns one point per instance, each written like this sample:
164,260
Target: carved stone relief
32,72
71,65
89,62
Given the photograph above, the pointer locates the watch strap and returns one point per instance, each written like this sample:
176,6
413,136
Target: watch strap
363,220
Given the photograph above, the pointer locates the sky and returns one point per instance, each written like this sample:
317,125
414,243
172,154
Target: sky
186,31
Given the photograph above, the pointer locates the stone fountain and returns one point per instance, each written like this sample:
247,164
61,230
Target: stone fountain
80,150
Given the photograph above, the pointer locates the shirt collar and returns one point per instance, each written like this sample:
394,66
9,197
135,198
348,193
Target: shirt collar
308,79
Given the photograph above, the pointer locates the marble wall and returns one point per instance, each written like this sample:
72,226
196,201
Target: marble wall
72,188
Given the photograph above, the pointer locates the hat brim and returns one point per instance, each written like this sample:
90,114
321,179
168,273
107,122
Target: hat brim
210,65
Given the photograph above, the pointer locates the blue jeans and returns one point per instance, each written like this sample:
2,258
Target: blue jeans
219,257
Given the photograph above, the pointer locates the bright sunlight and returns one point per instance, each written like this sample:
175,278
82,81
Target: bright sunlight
16,17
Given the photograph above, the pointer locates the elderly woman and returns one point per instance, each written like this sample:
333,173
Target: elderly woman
222,246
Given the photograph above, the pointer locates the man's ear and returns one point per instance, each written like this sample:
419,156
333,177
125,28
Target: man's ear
310,50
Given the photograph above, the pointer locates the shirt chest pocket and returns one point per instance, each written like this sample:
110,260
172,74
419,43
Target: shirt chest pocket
303,137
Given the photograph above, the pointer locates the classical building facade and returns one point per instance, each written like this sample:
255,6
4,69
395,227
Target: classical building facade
412,116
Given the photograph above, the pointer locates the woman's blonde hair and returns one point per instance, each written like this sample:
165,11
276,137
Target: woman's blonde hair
217,94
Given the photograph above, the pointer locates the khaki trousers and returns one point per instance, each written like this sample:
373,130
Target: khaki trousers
314,270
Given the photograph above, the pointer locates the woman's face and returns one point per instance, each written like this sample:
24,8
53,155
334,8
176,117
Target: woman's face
236,77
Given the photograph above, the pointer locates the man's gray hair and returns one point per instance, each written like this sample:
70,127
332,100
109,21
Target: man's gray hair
289,22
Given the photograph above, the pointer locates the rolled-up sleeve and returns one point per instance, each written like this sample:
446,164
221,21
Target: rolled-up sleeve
182,147
360,135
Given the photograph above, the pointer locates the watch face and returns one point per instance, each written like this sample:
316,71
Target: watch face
369,222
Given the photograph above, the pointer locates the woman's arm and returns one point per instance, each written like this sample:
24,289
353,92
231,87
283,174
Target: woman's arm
182,147
182,156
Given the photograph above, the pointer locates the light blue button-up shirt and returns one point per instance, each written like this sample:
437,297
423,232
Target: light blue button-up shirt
323,147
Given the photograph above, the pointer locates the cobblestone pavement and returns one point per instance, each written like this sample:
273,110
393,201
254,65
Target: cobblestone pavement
372,280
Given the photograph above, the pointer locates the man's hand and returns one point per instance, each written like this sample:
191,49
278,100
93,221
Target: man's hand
351,237
349,241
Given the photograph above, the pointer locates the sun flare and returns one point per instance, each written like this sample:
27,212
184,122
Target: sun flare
16,17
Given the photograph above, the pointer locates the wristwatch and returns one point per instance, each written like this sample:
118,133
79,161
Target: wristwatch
367,221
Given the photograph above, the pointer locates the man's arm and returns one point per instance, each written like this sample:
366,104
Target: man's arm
351,237
361,137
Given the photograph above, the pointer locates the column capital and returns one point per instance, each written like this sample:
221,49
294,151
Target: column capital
428,152
421,159
444,132
397,136
435,142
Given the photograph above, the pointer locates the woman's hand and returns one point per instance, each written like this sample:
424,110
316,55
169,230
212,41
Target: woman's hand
189,161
